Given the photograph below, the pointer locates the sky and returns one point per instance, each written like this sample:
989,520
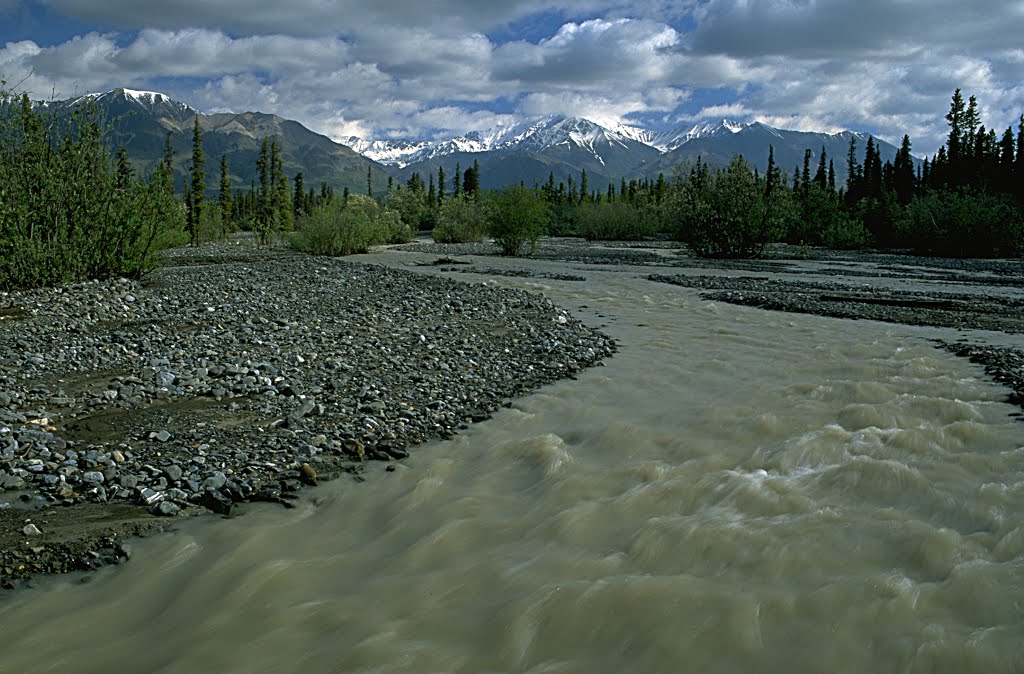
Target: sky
439,68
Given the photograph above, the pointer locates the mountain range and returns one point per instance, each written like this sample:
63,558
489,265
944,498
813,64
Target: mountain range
532,150
140,120
529,151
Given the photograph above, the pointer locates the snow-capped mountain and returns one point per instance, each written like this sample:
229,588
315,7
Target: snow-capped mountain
538,135
533,149
535,135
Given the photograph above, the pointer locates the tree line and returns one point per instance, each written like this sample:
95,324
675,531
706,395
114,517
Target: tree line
70,209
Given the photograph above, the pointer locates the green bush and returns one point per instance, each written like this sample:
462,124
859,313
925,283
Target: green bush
616,221
460,220
516,217
963,224
340,228
726,213
66,212
411,206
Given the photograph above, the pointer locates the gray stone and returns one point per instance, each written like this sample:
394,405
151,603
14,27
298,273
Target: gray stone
165,509
31,530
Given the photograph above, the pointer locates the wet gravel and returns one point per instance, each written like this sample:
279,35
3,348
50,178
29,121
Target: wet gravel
242,374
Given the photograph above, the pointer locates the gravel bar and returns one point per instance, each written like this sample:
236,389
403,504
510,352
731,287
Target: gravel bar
238,373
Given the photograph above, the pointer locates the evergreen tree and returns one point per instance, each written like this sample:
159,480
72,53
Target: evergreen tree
167,164
224,195
821,176
264,217
471,182
831,177
124,170
440,185
431,193
772,175
955,117
194,214
457,181
903,170
299,204
369,180
583,185
281,190
851,170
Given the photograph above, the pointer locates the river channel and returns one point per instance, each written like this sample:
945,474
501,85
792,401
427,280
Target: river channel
737,490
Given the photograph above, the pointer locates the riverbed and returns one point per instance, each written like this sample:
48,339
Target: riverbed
736,490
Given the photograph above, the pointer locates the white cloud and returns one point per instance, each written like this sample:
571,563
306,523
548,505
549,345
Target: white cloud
390,67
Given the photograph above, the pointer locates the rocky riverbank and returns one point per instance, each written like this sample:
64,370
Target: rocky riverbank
240,374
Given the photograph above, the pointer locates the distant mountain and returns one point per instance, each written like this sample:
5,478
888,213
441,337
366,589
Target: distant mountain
140,121
530,151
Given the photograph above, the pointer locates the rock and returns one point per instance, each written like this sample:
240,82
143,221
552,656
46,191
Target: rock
173,472
165,509
31,530
149,496
117,456
215,501
215,481
94,477
164,379
308,474
160,436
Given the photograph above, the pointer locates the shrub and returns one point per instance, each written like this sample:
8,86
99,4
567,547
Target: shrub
516,216
963,224
338,228
726,213
410,204
460,220
616,221
66,212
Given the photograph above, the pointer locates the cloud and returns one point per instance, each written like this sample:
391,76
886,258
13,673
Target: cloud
390,67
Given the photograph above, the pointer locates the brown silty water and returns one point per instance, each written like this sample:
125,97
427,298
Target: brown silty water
736,491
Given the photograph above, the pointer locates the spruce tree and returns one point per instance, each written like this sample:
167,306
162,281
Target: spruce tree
440,185
821,176
124,170
955,117
805,176
771,176
299,203
194,215
457,181
282,198
369,180
224,196
167,161
583,185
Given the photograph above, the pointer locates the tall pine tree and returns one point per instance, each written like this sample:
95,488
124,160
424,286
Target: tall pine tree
197,186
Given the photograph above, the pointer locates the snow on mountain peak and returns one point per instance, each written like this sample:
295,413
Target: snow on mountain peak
538,134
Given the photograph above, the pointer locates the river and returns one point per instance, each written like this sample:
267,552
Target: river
735,491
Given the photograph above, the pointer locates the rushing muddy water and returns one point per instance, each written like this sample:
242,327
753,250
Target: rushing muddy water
736,491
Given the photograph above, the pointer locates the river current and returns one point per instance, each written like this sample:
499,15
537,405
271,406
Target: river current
735,491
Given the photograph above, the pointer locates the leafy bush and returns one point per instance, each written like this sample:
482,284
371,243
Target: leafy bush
340,228
616,221
460,220
411,205
516,217
726,213
66,212
963,224
396,230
